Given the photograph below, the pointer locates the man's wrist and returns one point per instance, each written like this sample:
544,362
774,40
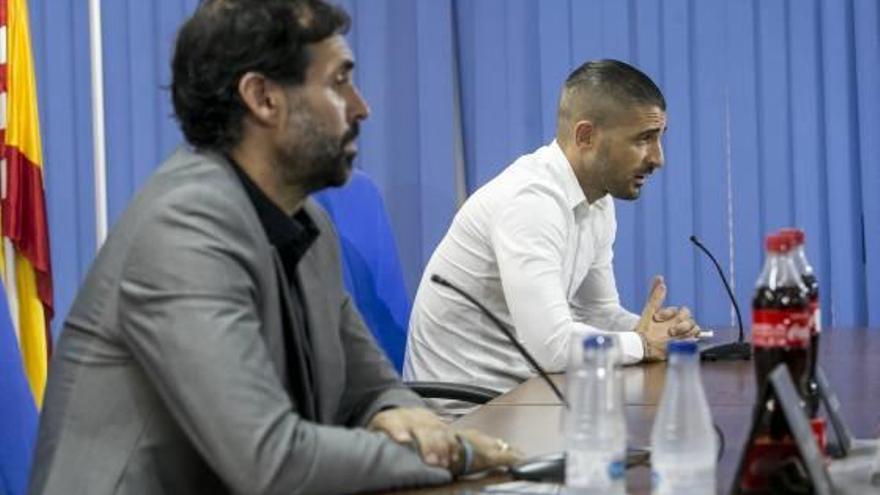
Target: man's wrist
465,456
650,353
646,351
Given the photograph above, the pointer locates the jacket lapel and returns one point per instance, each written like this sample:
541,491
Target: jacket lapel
300,388
323,320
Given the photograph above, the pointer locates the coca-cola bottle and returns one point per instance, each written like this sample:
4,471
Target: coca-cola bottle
797,238
780,335
781,317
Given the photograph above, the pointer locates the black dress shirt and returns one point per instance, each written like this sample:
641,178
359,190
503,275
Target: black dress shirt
291,236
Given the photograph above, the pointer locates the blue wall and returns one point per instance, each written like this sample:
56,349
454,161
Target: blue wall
60,37
774,115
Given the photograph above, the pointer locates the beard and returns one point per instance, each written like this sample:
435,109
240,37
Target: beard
313,156
619,187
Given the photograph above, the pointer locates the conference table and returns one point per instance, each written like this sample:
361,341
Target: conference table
528,416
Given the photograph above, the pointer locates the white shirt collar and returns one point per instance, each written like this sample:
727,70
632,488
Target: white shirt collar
569,182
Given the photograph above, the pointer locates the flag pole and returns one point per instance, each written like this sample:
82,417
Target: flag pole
98,137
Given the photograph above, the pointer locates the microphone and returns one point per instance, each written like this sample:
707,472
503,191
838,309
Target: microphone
437,279
547,467
734,350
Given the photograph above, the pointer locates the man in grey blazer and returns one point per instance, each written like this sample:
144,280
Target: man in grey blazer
212,348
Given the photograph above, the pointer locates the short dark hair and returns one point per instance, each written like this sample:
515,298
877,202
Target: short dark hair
598,87
225,39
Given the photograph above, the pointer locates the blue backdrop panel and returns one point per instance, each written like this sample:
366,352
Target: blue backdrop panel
138,40
742,76
867,52
438,133
841,157
773,130
555,62
586,28
808,174
676,32
523,77
392,155
711,161
483,31
771,103
61,57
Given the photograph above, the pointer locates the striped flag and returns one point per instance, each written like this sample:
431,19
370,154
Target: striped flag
26,269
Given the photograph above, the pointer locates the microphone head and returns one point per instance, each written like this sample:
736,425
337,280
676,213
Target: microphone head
437,279
694,239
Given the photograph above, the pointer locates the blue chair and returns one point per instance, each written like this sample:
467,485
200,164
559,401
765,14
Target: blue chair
370,262
372,274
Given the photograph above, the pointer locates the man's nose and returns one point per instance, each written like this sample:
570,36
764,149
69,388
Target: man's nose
358,107
655,156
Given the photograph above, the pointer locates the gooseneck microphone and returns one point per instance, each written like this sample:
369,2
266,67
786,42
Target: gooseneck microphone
437,279
734,350
547,467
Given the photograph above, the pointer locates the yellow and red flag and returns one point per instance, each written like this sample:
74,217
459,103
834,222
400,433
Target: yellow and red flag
25,264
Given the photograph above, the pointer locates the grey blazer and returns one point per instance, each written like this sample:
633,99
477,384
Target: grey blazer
170,373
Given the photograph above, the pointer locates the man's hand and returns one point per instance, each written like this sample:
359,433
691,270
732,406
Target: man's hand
685,326
658,325
435,440
488,452
439,445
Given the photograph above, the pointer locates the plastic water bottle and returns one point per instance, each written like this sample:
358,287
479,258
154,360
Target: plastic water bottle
596,427
683,442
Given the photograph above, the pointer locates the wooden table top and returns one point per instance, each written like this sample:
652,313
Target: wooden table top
850,358
529,415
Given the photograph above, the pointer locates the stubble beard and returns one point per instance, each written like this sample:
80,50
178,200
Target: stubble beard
314,157
623,189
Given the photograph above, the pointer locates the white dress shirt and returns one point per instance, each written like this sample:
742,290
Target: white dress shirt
531,248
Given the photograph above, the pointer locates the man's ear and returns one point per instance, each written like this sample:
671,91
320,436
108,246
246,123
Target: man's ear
585,135
261,96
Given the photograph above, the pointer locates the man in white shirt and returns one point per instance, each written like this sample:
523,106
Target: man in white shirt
534,245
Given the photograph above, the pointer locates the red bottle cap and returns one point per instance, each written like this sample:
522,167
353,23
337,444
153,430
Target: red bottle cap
777,243
795,236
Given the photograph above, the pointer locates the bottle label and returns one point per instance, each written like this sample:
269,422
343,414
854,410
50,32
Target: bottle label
781,328
594,470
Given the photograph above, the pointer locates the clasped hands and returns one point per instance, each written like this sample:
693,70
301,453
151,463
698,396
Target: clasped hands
658,325
442,446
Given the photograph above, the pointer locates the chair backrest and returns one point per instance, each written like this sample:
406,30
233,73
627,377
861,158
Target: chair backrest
371,264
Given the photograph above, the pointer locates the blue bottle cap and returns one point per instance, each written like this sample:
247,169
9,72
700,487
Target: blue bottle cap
685,347
598,342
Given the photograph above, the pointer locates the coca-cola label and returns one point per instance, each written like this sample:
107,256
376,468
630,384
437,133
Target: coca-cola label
781,328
